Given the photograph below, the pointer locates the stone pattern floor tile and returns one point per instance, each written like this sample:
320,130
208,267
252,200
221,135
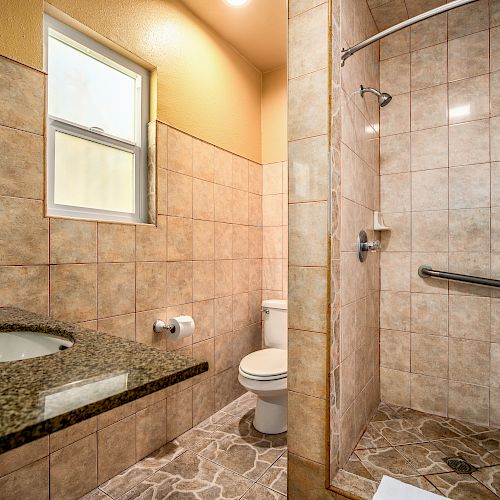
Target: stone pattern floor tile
223,457
410,446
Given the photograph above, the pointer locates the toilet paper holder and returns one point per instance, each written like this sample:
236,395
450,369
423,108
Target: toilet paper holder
159,326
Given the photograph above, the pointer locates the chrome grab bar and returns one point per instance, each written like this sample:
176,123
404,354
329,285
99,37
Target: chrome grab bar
426,271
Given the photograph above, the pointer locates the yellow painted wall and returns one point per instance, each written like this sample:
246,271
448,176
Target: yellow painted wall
204,86
274,116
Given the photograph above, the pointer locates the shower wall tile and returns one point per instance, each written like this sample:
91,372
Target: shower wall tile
447,217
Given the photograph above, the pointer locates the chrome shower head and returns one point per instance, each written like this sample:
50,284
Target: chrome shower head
383,98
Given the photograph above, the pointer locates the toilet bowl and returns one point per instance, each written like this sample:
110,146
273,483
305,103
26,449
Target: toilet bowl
265,372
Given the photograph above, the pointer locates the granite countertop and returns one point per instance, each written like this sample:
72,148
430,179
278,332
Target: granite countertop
99,372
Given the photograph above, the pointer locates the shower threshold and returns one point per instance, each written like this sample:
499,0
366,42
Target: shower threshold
422,450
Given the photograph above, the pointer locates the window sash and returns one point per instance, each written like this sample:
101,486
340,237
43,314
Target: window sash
138,147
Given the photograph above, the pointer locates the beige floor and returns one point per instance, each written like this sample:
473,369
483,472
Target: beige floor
410,446
223,457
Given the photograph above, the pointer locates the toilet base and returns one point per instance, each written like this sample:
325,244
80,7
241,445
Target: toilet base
271,414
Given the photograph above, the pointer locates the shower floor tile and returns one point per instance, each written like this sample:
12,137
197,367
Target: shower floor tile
223,457
410,446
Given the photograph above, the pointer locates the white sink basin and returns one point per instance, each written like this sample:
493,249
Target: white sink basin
24,345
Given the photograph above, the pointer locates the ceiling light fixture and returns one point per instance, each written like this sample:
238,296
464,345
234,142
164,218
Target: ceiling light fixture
236,3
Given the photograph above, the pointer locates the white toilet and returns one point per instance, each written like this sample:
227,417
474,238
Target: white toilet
264,372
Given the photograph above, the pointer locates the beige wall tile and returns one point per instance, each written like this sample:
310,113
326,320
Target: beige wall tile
307,363
468,56
470,186
395,387
111,278
254,209
241,312
180,283
395,119
240,242
22,96
429,231
470,361
224,240
468,402
395,271
119,326
468,99
24,240
307,114
272,238
495,138
23,455
307,234
395,350
73,469
147,296
180,152
73,291
395,154
494,407
470,19
223,278
223,352
429,148
203,280
306,440
306,300
428,67
429,313
272,210
429,394
470,229
307,170
151,240
429,32
272,178
22,164
240,207
255,178
399,238
470,317
33,295
203,315
495,42
223,310
223,167
395,44
469,143
395,311
240,173
203,199
180,195
429,189
115,242
180,238
395,75
31,482
116,445
306,479
495,365
429,107
151,429
240,276
308,41
179,413
429,355
203,396
72,241
395,192
203,160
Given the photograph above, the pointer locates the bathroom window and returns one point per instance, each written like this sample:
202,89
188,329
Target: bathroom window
97,114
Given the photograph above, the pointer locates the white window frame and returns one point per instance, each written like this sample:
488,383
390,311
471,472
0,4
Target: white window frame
139,147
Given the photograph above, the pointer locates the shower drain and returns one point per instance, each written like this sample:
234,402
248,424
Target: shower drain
459,465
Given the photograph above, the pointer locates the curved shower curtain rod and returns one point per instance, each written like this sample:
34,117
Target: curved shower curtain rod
346,53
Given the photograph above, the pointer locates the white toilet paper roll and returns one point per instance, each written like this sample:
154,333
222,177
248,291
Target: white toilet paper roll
183,327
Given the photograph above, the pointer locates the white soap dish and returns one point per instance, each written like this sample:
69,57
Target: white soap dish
378,222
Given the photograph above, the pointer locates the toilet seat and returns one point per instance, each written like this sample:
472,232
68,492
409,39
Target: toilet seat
266,364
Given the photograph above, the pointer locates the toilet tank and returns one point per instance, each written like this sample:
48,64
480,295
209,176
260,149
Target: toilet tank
275,323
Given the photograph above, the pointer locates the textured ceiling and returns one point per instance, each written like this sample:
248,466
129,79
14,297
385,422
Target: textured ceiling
257,30
388,13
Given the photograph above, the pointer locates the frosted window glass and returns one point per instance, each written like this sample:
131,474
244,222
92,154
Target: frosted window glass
89,93
91,175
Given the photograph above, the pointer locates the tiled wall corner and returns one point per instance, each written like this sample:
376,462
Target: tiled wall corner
355,288
439,194
308,267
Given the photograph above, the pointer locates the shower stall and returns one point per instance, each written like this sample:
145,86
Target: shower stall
412,331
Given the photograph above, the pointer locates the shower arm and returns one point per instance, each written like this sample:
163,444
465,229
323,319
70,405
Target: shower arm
346,53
